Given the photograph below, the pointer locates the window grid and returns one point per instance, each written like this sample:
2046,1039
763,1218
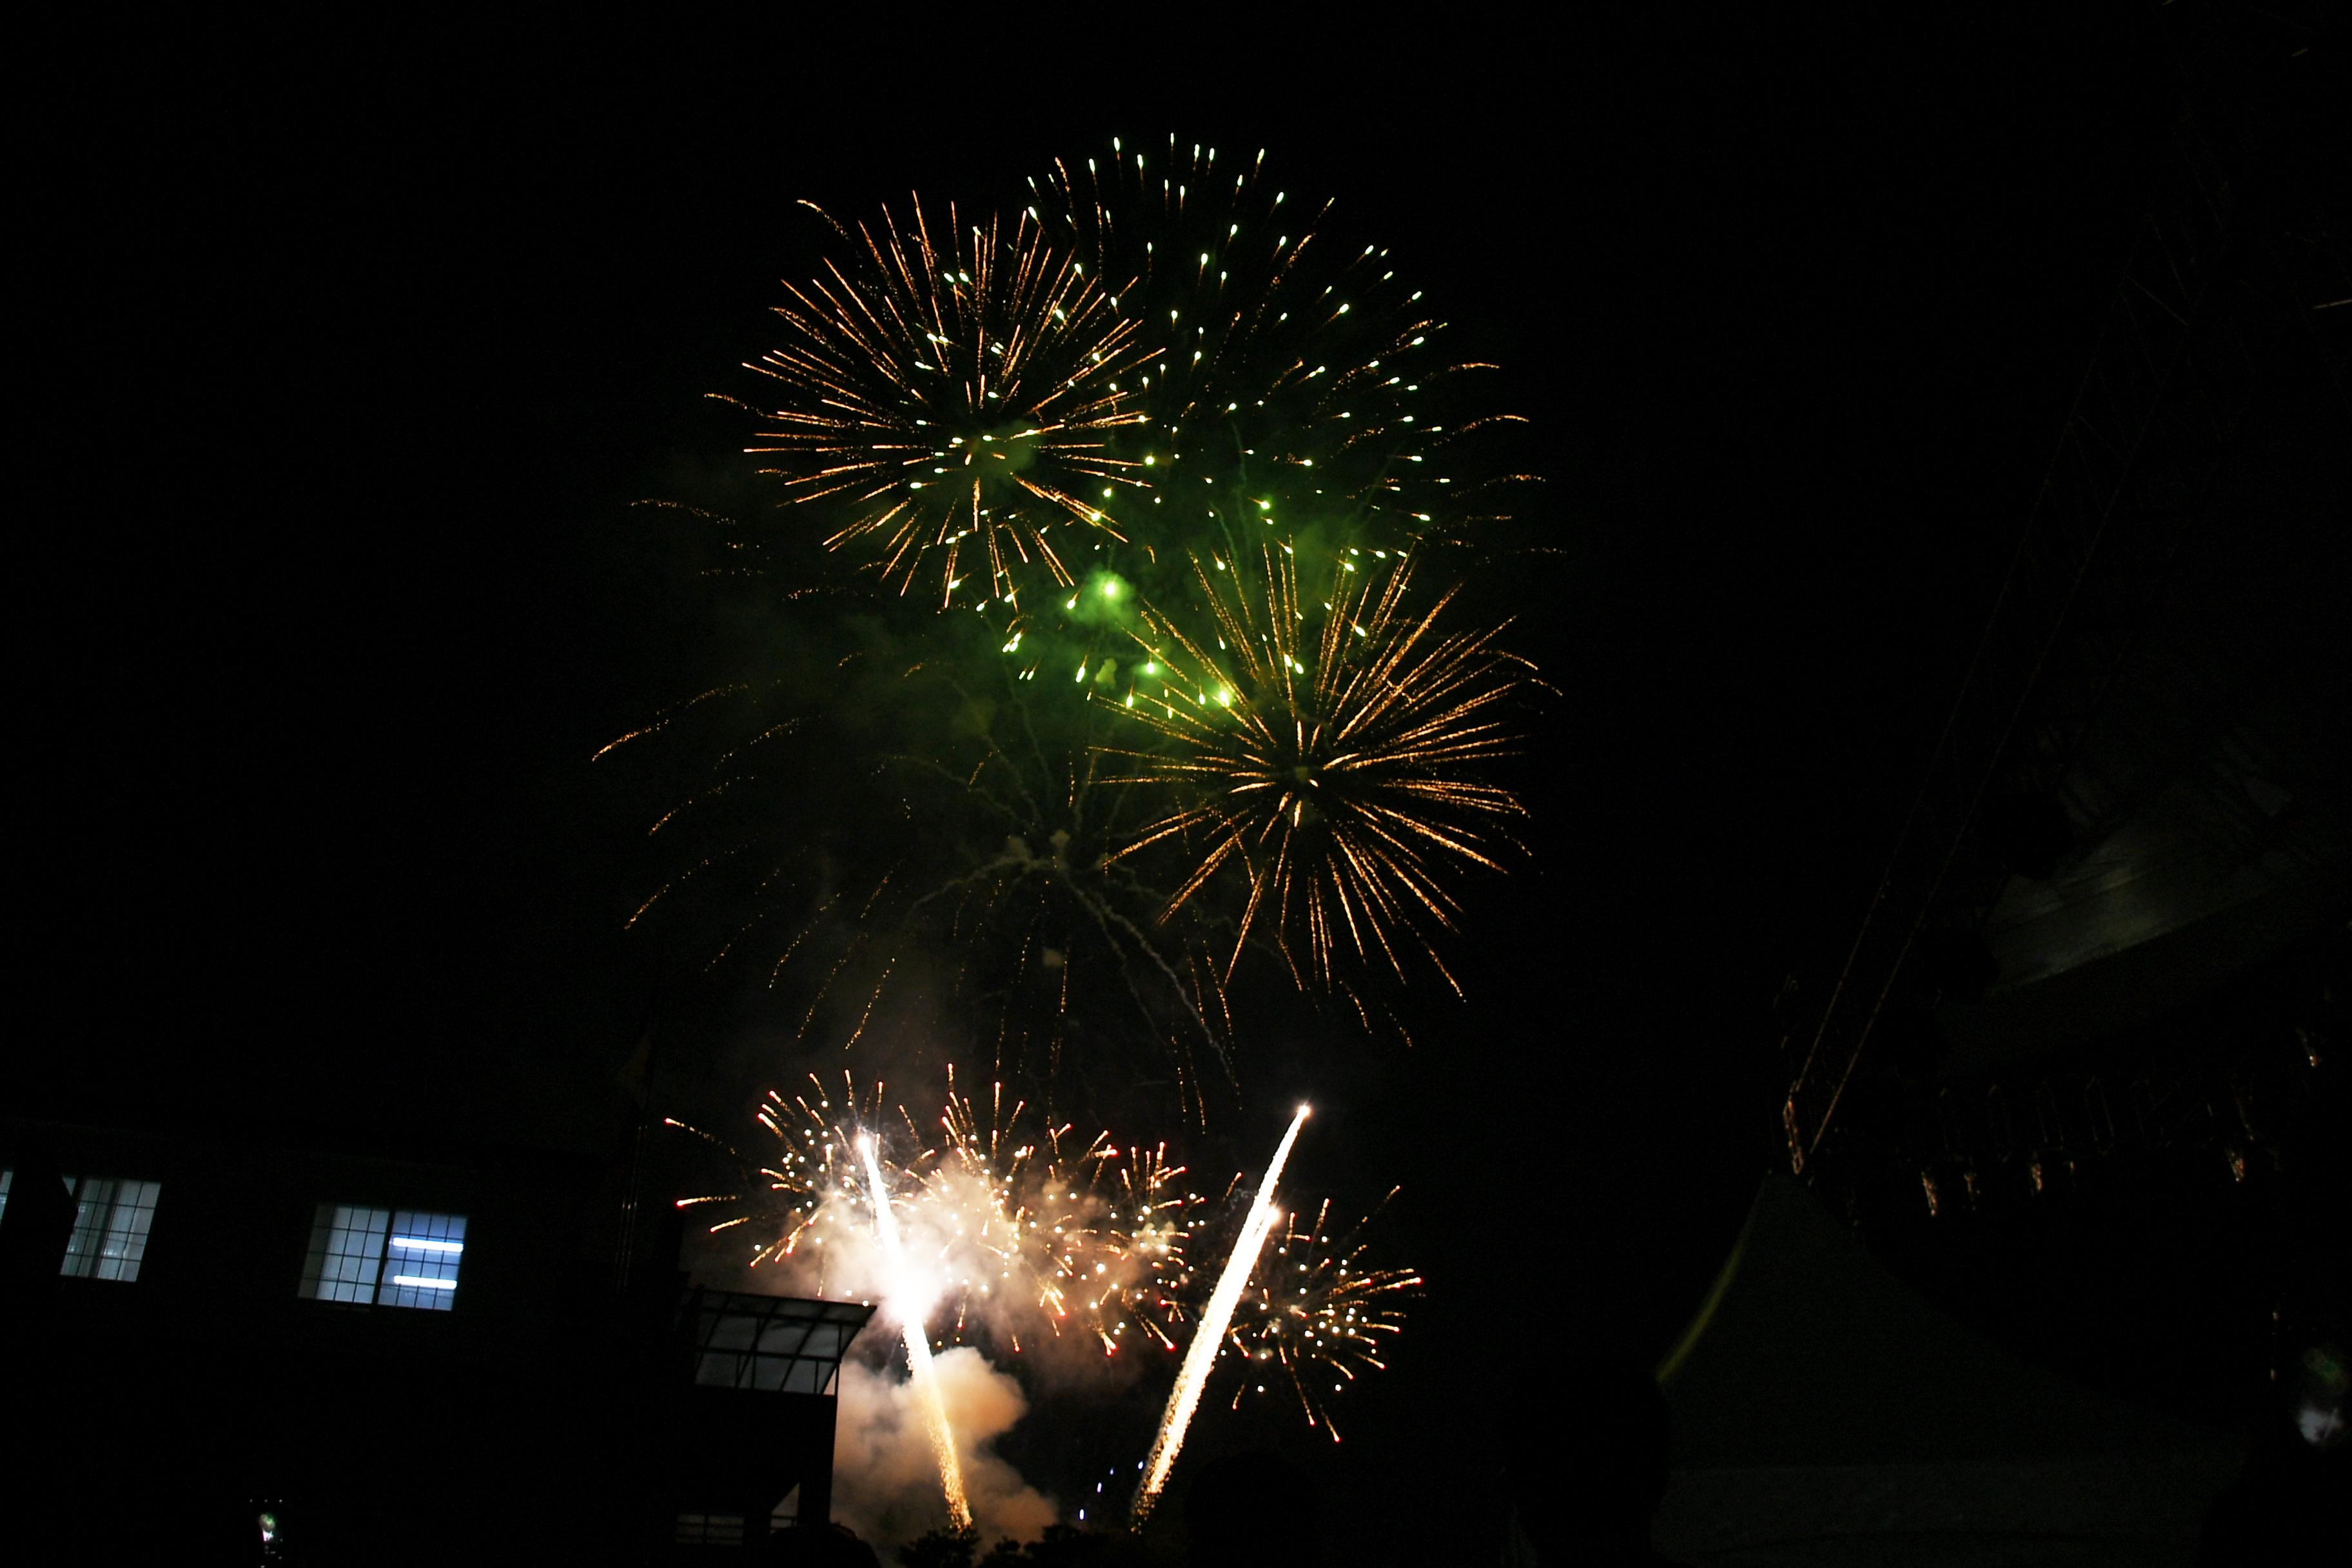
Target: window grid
111,1217
710,1530
346,1253
388,1258
772,1344
421,1264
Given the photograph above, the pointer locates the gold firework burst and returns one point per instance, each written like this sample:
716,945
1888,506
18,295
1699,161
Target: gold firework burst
1017,1236
956,393
1316,1316
1328,748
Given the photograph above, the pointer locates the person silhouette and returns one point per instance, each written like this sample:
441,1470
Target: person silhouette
34,1229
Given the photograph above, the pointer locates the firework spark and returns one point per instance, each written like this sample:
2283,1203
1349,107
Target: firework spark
1053,417
1096,1239
1317,1313
1327,749
1011,1240
1208,1337
909,1301
806,1199
1299,384
1019,1237
957,390
974,855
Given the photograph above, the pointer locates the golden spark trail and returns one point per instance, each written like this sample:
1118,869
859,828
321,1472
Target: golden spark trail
919,1346
1209,1335
1334,764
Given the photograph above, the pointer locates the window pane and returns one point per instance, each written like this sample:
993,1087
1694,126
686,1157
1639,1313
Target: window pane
420,1261
346,1253
123,1245
110,1231
390,1257
91,1196
772,1343
731,1332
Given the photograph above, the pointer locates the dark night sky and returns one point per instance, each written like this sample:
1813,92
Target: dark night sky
359,354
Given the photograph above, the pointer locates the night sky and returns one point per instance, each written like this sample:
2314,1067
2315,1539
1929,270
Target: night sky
356,358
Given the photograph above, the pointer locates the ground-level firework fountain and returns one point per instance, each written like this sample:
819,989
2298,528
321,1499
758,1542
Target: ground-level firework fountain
919,1346
1202,1353
1020,1243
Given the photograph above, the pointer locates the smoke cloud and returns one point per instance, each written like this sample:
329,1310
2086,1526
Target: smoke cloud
885,1486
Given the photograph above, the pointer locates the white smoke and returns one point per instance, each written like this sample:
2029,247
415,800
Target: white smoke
885,1485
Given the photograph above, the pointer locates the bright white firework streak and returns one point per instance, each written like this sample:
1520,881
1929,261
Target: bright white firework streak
1209,1336
919,1346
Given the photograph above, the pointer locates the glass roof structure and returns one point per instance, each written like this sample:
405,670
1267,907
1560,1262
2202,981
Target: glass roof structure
777,1344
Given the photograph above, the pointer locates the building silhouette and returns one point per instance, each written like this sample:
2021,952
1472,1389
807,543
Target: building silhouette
279,1354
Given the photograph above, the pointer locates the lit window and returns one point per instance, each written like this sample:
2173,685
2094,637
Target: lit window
346,1253
388,1258
110,1230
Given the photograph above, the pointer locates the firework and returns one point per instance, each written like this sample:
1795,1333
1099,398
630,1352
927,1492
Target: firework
1015,1238
809,1191
954,393
1297,384
1327,750
1053,417
1201,1355
1098,1239
808,1205
910,1301
945,859
1316,1316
